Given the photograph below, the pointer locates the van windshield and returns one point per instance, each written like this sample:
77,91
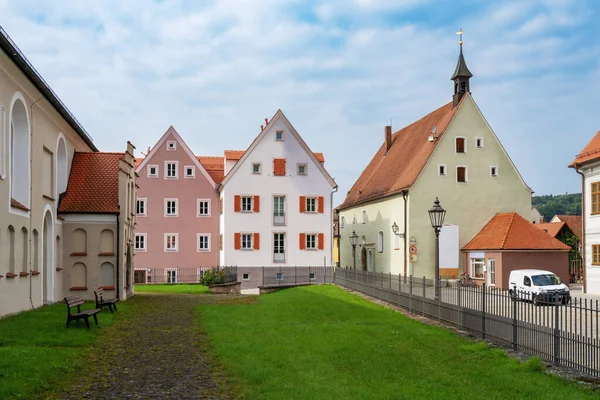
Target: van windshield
545,280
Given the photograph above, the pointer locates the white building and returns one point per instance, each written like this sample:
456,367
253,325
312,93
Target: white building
276,209
587,164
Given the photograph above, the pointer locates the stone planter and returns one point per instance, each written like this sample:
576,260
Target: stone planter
225,288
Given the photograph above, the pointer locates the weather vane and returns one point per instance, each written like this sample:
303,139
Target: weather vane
459,33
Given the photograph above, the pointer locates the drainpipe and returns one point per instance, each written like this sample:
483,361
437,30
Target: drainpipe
339,235
118,254
405,197
331,227
583,264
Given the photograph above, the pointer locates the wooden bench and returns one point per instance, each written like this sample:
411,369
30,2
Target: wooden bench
100,302
77,301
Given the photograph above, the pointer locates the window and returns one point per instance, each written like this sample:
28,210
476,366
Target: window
140,242
171,241
461,174
477,267
494,171
171,145
247,241
279,166
460,145
278,210
312,276
171,167
380,242
596,254
171,275
246,277
279,135
203,207
20,173
596,198
311,204
302,169
139,276
190,171
364,217
140,208
171,207
492,271
203,242
246,203
256,168
152,171
311,241
47,173
526,281
279,247
342,222
279,276
442,170
479,143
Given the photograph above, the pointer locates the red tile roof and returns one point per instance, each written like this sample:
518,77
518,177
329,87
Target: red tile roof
93,184
510,231
234,155
590,152
397,169
551,228
215,166
574,222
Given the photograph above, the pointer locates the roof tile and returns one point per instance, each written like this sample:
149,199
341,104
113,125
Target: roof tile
551,228
574,222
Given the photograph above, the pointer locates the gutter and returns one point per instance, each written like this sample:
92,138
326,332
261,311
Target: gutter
118,255
405,197
335,189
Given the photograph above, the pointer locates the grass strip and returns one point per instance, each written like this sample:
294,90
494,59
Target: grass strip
182,288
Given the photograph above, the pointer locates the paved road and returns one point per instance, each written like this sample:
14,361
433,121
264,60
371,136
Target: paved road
158,352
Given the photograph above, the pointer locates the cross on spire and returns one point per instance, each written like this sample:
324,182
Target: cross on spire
460,33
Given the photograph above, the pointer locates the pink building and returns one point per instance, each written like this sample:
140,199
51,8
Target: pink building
177,232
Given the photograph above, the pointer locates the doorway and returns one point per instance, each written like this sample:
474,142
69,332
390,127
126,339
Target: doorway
363,258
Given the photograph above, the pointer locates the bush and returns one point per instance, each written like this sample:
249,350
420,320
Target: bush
212,277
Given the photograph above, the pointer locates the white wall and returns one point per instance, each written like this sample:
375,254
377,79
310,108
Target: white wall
592,229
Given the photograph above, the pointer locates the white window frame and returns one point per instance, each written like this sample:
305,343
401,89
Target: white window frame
305,165
198,236
251,241
149,167
466,174
246,276
259,168
492,271
275,222
167,169
476,261
176,247
251,204
135,242
284,246
380,239
167,270
315,204
176,214
476,146
465,144
440,166
492,175
282,135
171,145
144,201
208,207
307,240
185,171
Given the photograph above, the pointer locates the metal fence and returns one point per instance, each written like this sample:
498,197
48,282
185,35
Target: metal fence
297,275
565,335
181,275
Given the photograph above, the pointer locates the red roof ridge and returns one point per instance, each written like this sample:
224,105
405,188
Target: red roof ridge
512,219
589,152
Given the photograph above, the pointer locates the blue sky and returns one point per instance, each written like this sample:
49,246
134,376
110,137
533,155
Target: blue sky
339,70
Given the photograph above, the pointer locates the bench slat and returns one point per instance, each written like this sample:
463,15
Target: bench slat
74,301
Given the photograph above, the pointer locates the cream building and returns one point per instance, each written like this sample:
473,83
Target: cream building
451,153
38,140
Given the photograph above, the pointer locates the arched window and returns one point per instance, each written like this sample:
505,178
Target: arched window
79,277
19,154
107,239
25,253
61,167
58,261
80,242
11,249
380,242
36,254
107,275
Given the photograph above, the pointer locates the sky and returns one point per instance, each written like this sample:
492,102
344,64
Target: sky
340,70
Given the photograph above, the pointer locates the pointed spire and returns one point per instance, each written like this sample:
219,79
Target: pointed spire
461,75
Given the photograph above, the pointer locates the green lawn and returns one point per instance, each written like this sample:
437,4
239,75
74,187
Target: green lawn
322,342
184,288
38,354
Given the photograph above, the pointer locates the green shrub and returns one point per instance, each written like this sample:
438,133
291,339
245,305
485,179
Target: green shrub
212,277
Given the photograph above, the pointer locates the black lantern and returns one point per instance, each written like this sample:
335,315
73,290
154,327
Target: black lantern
354,242
437,215
395,228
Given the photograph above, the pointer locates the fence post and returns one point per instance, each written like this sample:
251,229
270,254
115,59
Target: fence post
483,312
409,293
557,333
390,287
424,295
514,324
280,276
263,276
296,274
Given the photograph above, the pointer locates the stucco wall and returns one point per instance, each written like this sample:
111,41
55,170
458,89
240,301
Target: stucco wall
592,229
555,262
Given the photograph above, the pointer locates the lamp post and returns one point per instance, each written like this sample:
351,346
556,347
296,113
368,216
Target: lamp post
354,241
436,215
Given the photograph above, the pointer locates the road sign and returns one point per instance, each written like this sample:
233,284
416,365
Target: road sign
413,240
412,249
413,258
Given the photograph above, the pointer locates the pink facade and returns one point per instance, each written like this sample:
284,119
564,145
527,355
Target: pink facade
177,231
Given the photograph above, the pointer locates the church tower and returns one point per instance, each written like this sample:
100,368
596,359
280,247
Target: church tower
461,76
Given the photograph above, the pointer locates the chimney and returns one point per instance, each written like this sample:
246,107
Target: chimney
266,121
388,137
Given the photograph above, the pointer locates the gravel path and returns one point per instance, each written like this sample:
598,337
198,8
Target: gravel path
155,352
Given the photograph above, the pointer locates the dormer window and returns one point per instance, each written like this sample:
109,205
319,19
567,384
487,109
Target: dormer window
171,145
279,135
460,145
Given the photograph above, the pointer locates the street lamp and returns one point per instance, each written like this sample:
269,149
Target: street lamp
354,241
436,215
396,229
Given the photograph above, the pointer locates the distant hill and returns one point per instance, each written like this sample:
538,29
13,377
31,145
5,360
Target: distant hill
550,205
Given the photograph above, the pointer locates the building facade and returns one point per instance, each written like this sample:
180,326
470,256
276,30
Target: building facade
276,206
177,232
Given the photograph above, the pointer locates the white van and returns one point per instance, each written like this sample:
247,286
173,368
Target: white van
538,286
